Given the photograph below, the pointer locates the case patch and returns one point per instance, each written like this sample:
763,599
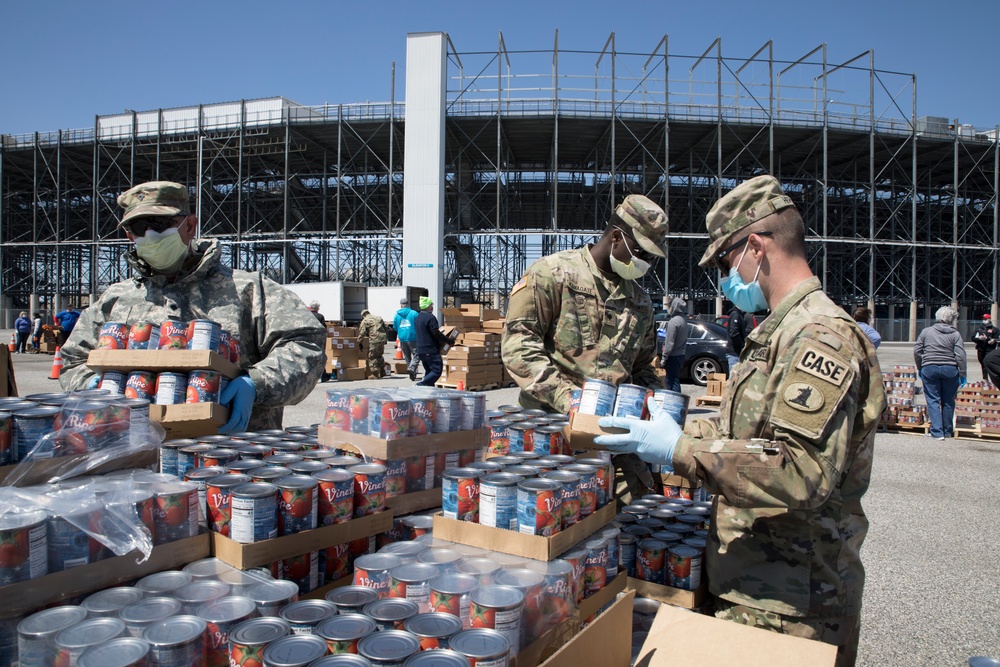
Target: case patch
823,365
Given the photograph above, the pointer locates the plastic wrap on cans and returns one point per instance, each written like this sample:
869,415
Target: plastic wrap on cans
539,507
450,595
557,597
144,336
254,512
460,494
391,613
113,382
303,616
193,595
359,412
171,388
24,537
141,384
675,403
343,632
248,640
30,425
73,641
395,475
111,601
336,496
473,410
177,641
597,398
203,386
412,582
36,634
218,497
298,503
222,616
570,498
113,336
369,488
175,511
146,611
498,500
203,335
434,629
271,596
448,412
173,335
423,411
123,651
338,410
372,571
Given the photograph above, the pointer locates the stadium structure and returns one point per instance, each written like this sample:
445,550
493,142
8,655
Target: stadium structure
511,155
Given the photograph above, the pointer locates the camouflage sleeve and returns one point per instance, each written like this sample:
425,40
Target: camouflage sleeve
701,427
811,421
291,343
76,374
643,372
533,308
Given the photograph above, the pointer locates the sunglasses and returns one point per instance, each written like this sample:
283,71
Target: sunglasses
157,223
637,251
736,246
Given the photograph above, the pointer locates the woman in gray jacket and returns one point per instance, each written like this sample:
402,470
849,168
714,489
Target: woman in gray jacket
940,356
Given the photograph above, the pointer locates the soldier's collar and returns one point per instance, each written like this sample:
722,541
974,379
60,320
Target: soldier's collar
768,326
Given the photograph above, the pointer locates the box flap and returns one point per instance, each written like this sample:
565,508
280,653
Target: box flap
605,642
583,429
401,448
161,360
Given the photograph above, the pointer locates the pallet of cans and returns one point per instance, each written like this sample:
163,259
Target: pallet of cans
598,399
54,436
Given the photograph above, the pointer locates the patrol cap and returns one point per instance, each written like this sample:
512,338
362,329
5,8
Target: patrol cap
747,203
365,312
154,198
648,222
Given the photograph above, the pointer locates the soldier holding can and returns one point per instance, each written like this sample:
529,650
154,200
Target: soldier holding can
180,277
790,456
579,315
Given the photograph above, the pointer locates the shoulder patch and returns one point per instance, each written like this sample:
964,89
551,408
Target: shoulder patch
823,364
520,284
762,353
803,396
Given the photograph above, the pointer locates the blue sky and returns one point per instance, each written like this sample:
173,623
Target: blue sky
64,62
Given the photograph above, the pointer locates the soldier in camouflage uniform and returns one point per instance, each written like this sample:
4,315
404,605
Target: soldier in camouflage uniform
183,278
373,329
790,455
579,315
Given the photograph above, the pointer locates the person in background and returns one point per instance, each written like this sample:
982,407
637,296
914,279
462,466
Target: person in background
429,340
863,317
941,364
406,335
178,276
373,328
790,455
986,341
314,309
36,333
66,319
22,331
675,343
738,326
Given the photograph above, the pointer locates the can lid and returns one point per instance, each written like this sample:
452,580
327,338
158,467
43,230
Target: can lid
478,566
121,652
391,609
367,469
227,609
480,643
259,631
684,551
163,582
562,476
201,590
346,627
21,520
404,549
308,612
698,543
501,479
412,572
454,583
90,632
272,591
111,599
497,596
652,543
41,411
379,561
255,489
294,651
174,630
296,482
580,468
389,645
668,536
421,521
486,466
50,621
462,473
206,473
352,596
148,610
645,606
433,624
346,660
519,577
522,426
538,484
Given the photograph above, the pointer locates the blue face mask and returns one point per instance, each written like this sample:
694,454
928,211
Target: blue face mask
748,298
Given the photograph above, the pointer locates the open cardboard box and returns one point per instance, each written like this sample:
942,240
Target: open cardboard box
519,544
679,637
583,429
161,360
243,556
401,448
677,597
408,503
591,605
188,420
607,642
41,472
26,596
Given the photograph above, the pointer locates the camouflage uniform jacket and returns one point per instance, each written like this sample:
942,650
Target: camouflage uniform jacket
373,328
790,458
568,322
281,343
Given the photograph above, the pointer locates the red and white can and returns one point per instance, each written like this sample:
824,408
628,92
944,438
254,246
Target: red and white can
171,388
173,335
141,384
203,387
144,336
113,336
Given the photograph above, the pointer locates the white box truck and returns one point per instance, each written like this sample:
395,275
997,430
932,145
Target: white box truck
384,302
338,301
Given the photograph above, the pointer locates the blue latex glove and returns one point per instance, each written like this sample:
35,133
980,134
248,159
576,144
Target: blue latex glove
962,381
93,382
652,440
239,397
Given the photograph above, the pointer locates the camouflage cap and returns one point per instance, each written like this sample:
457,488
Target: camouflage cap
648,222
154,198
743,205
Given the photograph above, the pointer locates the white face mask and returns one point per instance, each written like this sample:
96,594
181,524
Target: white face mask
164,251
635,269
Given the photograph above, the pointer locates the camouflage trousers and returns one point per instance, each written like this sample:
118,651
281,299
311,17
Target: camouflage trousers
842,631
632,479
376,360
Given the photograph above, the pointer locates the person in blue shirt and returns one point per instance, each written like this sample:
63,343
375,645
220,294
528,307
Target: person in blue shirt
429,342
22,329
67,320
863,317
407,335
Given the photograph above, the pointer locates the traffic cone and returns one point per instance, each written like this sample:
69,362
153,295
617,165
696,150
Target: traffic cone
13,344
399,352
57,365
460,385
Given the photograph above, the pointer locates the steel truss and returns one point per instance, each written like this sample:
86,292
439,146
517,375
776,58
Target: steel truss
541,146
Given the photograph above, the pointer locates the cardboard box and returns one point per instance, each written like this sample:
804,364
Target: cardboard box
401,448
583,429
352,374
473,309
606,642
8,385
408,503
591,605
189,420
177,361
27,596
714,388
464,354
243,556
674,596
518,544
399,367
679,637
490,314
40,472
677,480
337,331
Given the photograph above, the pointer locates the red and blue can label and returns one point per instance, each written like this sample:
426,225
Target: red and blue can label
171,388
223,349
173,335
144,336
113,381
388,418
203,387
203,335
338,410
113,336
422,414
141,384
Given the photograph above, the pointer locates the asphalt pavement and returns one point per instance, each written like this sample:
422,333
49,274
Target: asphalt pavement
932,595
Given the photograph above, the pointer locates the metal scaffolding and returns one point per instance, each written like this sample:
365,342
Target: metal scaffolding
901,210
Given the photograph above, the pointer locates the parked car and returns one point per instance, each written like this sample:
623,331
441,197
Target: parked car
724,320
706,350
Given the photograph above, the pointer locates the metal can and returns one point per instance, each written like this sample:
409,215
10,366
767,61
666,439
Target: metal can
67,545
25,540
144,336
7,451
222,616
35,634
499,608
298,503
338,410
482,647
372,571
175,512
111,601
223,349
520,437
248,640
598,398
359,412
342,633
120,652
627,549
684,565
369,488
303,616
674,402
302,569
163,583
234,348
595,572
434,630
203,335
193,595
187,455
199,477
570,498
650,560
178,641
203,386
612,535
266,473
351,599
448,413
473,410
450,595
412,582
30,426
589,487
254,512
142,613
389,648
548,440
171,388
218,499
423,411
500,436
336,496
138,420
113,382
113,336
388,418
390,613
281,459
221,456
271,596
498,500
630,401
460,494
293,651
553,606
173,335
